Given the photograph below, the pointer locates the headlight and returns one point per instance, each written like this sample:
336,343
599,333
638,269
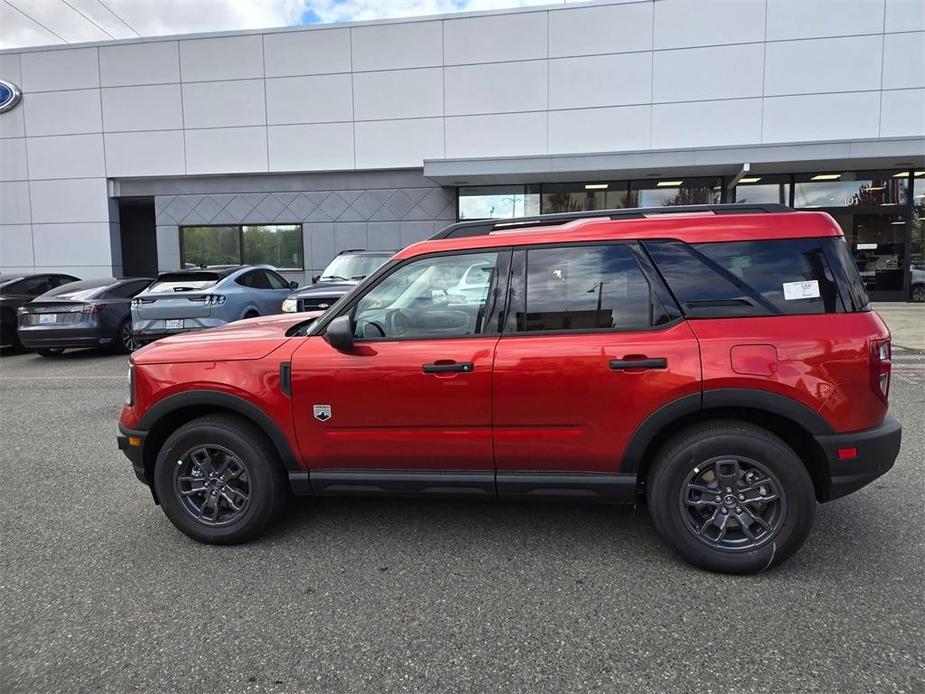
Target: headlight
290,305
130,400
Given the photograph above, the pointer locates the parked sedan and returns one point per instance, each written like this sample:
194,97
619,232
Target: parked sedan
89,313
17,289
209,297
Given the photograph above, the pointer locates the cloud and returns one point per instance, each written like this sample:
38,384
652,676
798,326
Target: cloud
43,22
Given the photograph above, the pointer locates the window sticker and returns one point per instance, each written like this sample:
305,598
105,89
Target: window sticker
801,290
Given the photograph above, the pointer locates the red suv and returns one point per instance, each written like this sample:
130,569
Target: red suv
721,363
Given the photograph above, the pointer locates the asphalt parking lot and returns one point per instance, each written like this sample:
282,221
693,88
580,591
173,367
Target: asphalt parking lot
99,592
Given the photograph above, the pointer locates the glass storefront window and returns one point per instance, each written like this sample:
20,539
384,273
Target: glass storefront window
279,245
567,197
202,246
917,237
763,189
693,191
850,189
497,202
878,243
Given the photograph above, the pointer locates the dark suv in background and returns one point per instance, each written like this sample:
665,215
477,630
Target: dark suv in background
341,275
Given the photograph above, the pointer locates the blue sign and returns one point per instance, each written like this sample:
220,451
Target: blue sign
9,95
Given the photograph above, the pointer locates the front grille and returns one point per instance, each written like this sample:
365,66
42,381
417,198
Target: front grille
316,303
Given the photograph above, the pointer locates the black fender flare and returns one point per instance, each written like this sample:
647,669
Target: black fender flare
225,401
762,400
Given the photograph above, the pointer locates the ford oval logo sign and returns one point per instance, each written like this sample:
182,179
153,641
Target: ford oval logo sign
9,95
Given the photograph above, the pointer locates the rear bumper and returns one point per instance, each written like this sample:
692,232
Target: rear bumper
63,336
146,331
877,450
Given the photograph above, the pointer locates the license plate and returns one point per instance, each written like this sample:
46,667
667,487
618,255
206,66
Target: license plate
173,324
48,318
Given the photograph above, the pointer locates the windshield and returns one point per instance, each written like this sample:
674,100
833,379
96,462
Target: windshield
184,282
353,267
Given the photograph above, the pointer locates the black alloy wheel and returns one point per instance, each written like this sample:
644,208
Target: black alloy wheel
220,480
733,504
731,496
212,484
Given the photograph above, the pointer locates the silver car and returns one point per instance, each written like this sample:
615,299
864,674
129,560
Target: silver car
206,298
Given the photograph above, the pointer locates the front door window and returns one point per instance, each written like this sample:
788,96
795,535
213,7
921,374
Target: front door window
430,298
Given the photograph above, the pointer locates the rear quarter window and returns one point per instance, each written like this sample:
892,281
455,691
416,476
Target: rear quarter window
748,278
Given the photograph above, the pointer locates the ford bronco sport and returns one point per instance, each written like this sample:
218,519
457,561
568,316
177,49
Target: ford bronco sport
720,363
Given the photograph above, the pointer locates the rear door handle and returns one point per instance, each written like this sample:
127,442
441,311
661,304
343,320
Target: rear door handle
653,363
448,367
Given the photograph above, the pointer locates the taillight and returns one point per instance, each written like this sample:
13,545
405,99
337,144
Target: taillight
209,299
880,366
89,309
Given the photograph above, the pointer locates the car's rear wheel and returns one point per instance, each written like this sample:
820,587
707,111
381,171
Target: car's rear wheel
220,480
731,497
50,351
251,314
918,293
124,341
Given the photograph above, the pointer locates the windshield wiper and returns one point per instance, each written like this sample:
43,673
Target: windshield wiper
333,277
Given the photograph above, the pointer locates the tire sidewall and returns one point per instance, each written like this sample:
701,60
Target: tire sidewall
260,509
670,476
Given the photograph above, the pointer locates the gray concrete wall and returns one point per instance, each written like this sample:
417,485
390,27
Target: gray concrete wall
376,211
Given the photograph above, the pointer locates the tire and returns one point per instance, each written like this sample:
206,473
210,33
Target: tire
690,521
50,351
262,480
918,293
251,314
123,342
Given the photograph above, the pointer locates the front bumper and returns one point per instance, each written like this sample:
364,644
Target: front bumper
877,450
135,453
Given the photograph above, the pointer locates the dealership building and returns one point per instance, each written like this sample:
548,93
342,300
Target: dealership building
285,146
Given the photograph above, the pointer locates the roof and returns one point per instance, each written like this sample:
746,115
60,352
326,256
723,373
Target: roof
692,227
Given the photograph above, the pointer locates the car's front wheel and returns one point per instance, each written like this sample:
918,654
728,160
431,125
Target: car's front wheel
731,497
219,480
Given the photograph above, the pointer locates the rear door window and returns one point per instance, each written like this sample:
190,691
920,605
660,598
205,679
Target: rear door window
585,288
748,278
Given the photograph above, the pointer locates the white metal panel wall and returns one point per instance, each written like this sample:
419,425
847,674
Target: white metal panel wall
610,76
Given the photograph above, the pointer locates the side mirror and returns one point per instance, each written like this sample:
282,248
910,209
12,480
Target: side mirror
315,279
339,334
293,285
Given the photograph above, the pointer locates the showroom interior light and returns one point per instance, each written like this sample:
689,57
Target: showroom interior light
753,179
826,177
665,184
596,186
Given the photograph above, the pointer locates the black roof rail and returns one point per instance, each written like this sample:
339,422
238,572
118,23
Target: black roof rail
483,227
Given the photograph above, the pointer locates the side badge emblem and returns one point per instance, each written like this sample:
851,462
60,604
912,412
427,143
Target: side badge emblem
322,412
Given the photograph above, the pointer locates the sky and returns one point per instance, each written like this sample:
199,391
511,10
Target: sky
46,22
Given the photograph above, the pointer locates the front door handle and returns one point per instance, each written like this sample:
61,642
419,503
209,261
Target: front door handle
653,363
442,367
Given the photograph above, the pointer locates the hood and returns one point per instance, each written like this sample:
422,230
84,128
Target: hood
242,340
324,289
